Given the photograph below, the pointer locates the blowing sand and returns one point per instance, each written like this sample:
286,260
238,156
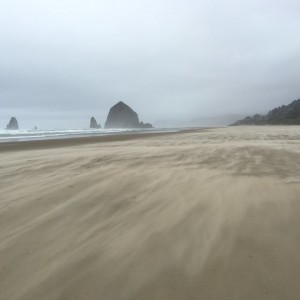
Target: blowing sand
213,214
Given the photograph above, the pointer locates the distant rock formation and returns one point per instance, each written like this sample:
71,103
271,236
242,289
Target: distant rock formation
122,116
13,124
283,115
145,125
94,124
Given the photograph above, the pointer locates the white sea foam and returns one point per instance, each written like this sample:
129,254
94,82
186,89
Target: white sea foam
27,134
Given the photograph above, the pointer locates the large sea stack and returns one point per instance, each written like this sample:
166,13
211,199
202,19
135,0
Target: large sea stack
94,124
13,124
122,116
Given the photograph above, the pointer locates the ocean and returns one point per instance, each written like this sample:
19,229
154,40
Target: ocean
39,134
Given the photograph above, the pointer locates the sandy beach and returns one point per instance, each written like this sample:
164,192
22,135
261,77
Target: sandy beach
210,214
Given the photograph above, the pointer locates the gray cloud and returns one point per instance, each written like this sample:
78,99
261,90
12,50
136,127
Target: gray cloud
169,60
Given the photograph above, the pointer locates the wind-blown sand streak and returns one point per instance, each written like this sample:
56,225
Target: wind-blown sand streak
201,215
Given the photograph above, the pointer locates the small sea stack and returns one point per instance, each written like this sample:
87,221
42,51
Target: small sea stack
123,116
13,124
94,124
145,125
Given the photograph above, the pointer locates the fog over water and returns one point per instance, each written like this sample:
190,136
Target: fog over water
172,61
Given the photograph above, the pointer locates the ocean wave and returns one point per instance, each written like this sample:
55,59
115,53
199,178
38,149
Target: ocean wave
39,134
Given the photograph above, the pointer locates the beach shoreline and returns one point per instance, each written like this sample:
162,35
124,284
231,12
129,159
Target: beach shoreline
8,146
209,214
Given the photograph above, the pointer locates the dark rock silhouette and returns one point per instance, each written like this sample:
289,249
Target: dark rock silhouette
13,124
283,115
94,124
122,116
145,125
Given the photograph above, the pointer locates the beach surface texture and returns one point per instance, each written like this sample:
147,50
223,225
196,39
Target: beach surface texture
209,214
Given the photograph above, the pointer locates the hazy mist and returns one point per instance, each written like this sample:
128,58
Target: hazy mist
172,61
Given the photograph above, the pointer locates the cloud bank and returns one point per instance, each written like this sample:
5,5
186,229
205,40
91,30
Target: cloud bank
169,60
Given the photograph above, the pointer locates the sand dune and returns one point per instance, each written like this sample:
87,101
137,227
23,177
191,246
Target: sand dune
213,214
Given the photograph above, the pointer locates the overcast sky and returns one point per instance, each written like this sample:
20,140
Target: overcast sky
66,60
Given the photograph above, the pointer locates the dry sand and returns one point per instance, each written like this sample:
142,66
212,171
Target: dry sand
212,214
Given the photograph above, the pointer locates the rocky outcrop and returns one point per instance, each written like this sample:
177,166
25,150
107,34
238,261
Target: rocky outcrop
94,124
13,124
122,116
282,115
145,125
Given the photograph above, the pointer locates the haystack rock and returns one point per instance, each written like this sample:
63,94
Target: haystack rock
13,124
94,124
122,116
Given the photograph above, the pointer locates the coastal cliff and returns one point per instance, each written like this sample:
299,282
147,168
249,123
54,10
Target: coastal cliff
282,115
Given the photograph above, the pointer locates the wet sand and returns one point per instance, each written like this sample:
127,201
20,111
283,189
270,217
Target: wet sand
211,214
